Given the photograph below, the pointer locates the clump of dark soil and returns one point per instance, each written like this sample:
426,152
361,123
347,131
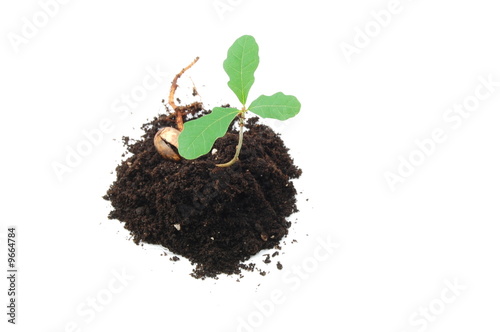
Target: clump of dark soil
216,217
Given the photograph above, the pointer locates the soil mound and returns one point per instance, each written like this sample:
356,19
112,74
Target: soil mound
216,217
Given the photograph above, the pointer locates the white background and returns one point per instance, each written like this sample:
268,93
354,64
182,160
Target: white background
399,250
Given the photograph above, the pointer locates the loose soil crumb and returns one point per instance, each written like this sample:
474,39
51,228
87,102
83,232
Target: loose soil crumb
215,217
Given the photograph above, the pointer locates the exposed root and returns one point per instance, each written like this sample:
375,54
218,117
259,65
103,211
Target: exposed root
171,98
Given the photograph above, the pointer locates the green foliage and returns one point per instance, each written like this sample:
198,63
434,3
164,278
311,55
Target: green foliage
199,135
242,60
278,106
240,65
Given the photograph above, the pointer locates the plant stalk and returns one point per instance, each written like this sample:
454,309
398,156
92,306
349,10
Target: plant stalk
240,141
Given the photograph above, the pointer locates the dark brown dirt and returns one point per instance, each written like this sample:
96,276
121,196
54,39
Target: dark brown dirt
225,215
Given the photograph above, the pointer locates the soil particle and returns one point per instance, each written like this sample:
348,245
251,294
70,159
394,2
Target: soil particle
215,217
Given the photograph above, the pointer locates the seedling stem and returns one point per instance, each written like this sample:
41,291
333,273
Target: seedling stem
241,118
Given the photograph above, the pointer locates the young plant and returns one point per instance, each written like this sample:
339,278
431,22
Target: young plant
198,136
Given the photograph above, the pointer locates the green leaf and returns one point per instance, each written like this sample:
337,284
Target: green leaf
278,106
240,65
199,135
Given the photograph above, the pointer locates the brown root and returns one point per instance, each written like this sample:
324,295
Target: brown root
171,98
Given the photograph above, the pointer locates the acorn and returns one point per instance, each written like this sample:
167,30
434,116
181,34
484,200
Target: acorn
166,142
